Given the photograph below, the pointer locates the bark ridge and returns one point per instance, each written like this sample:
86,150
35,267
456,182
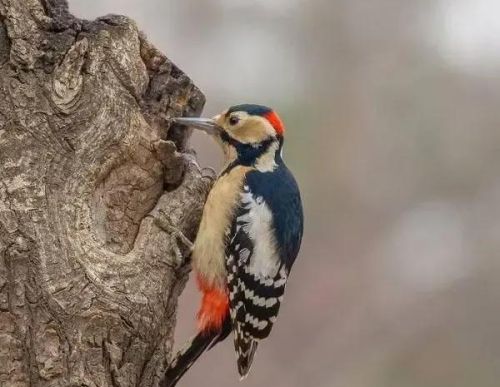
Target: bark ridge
88,159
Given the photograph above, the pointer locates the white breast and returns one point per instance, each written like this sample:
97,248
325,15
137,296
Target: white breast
257,223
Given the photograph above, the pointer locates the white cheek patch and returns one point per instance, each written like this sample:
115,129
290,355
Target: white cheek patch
267,162
258,226
251,130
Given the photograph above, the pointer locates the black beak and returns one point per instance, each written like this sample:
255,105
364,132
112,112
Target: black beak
206,124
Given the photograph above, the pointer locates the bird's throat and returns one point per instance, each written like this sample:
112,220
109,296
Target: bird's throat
263,156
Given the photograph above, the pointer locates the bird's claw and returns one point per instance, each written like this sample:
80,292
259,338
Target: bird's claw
209,173
176,235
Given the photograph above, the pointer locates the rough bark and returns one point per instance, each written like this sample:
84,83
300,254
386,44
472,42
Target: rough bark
88,161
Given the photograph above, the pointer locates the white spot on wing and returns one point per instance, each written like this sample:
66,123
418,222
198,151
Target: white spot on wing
270,302
244,254
255,322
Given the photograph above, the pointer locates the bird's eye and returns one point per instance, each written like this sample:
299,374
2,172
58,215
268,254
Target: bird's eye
233,120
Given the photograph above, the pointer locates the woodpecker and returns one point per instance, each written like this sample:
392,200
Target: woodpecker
249,236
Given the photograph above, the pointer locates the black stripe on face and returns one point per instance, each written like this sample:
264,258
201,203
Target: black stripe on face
247,154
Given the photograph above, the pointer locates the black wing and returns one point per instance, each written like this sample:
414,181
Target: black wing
256,277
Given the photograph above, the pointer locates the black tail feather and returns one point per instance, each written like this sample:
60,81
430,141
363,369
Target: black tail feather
186,357
225,331
245,350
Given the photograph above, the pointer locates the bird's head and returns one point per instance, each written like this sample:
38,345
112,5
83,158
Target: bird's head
246,124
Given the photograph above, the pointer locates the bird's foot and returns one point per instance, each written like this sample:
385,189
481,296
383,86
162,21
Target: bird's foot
176,236
209,173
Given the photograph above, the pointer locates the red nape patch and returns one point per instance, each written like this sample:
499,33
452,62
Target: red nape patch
276,122
214,307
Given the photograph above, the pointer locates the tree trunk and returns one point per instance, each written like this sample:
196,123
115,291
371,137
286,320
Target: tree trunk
88,162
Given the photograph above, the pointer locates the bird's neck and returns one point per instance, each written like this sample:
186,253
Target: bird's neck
264,157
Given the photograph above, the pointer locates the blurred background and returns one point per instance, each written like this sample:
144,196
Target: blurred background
392,111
